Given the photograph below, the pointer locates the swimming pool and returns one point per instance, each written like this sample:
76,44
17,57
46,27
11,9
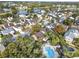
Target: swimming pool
50,52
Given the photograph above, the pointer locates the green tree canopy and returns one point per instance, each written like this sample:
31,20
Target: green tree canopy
22,48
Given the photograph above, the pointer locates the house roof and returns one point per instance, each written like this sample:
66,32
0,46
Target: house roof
77,22
6,25
6,9
39,34
62,19
71,34
50,26
22,12
23,34
7,31
53,14
37,10
45,22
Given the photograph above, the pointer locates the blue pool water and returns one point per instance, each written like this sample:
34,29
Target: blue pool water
50,52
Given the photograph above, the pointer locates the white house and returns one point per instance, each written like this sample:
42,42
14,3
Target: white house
50,26
30,21
37,10
6,10
7,31
62,18
52,14
17,29
45,22
22,13
23,34
71,34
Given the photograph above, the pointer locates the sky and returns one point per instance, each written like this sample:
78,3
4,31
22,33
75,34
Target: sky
46,0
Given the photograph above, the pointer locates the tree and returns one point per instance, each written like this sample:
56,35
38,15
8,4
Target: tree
1,6
35,17
16,49
67,53
76,42
59,28
53,39
5,15
30,9
76,53
68,22
74,15
2,21
36,52
36,28
14,10
22,48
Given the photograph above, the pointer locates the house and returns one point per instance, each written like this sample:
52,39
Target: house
50,26
77,22
23,34
49,51
45,22
6,9
17,29
72,18
10,18
30,21
40,35
9,4
77,18
11,24
62,18
43,12
22,13
71,34
37,10
21,7
53,20
52,14
7,31
13,4
39,17
26,22
6,25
